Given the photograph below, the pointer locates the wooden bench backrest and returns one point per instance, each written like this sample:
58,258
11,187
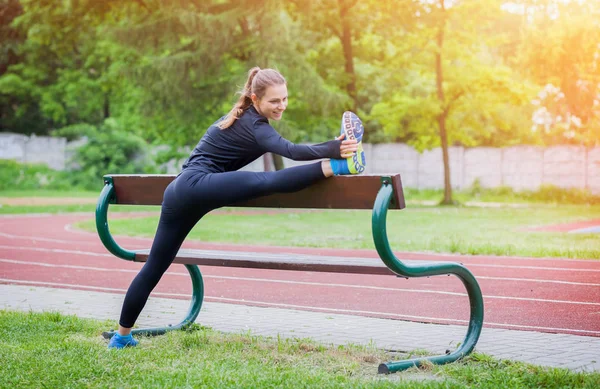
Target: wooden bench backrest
340,192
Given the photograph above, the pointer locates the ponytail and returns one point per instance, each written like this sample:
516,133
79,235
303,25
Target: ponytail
258,81
243,103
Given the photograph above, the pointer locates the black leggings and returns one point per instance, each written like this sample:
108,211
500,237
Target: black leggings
189,197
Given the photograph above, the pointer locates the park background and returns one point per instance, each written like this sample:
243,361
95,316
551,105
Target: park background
493,106
454,94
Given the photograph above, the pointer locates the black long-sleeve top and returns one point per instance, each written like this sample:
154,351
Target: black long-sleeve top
247,139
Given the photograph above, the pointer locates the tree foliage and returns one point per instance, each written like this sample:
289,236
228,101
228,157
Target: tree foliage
107,148
426,72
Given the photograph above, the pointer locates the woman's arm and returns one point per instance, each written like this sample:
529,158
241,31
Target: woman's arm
269,140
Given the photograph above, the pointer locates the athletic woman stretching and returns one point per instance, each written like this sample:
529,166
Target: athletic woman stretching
209,178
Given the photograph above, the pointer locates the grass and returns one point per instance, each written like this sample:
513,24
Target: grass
461,230
49,350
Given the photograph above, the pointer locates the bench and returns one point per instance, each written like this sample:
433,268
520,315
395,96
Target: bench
375,192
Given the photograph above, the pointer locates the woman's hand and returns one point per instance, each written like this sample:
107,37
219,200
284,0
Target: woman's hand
347,147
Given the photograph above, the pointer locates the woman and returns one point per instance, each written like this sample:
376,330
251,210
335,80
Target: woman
209,178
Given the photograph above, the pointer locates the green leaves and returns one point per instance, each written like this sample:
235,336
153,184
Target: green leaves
108,148
166,70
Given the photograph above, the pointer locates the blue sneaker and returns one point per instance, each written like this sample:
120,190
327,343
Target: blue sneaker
120,341
352,128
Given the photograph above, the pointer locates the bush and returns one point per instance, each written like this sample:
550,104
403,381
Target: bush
554,194
109,149
14,175
545,194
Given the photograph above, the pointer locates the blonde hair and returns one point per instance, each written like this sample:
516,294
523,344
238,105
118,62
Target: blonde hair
257,83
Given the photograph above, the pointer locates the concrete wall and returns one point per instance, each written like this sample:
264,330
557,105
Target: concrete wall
519,167
34,149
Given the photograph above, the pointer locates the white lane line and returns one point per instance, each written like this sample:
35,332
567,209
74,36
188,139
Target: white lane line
251,254
59,251
538,281
64,251
306,307
58,284
70,242
70,229
77,267
380,288
533,267
34,239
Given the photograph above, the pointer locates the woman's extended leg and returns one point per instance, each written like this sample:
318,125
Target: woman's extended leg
221,189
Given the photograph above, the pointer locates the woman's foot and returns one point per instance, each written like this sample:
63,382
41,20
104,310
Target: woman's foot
352,128
122,341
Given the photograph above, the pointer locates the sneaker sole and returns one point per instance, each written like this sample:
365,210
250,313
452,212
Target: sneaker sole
352,126
358,160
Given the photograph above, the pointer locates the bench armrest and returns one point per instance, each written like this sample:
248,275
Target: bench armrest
107,196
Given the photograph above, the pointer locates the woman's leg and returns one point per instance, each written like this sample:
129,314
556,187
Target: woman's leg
189,198
221,189
327,169
174,225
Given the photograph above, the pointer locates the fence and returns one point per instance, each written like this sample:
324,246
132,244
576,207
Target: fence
519,167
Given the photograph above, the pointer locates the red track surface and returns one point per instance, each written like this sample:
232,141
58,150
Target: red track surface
566,227
546,295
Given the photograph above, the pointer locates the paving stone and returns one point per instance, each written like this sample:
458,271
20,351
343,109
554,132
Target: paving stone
579,353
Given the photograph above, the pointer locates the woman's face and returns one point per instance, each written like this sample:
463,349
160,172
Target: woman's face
273,103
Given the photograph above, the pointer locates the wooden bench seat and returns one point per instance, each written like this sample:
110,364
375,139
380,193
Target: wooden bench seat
342,192
292,262
375,192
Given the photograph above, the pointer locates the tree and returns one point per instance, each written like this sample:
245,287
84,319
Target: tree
18,113
67,72
454,89
194,57
559,51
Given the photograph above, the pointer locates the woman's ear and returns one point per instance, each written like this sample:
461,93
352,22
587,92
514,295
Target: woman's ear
254,98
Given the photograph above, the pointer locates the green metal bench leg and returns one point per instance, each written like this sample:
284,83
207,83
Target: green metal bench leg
380,208
107,197
194,310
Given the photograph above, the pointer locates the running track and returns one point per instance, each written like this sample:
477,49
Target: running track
545,295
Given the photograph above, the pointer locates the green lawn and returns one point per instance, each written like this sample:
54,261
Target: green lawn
49,350
465,230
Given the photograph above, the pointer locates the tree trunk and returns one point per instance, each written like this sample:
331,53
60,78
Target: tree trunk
439,71
268,163
446,157
278,162
106,107
272,162
346,39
